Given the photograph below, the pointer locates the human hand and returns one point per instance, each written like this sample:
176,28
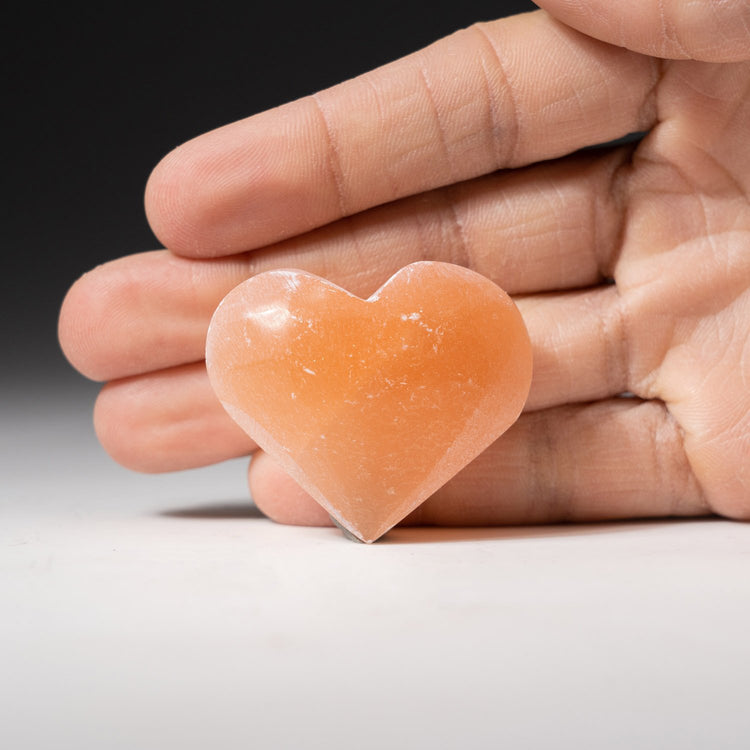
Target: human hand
401,165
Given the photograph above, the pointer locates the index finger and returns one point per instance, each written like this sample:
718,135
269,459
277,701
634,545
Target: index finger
495,95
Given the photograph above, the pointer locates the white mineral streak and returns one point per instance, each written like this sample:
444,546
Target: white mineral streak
274,317
291,278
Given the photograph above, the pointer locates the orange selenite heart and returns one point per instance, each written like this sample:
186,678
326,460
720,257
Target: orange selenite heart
371,405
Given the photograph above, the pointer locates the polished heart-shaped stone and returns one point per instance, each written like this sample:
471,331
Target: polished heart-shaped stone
371,405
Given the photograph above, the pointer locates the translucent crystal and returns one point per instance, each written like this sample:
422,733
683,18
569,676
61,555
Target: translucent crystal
371,405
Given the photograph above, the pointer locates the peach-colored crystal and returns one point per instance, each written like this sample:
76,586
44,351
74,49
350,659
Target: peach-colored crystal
371,405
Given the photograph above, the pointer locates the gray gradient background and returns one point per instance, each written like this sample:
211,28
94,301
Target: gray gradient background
163,611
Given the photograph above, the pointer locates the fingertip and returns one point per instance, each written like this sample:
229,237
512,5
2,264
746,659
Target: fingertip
96,326
166,201
128,433
279,497
115,424
205,199
78,327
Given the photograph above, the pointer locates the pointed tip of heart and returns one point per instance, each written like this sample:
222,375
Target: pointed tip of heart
350,535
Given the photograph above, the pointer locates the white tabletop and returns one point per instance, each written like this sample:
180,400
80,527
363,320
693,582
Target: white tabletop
165,612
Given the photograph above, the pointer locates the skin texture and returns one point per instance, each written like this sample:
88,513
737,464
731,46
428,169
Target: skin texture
630,265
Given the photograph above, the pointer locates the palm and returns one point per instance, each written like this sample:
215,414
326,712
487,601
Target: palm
665,221
683,272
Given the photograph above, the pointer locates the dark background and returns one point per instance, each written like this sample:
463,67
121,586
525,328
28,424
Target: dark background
93,99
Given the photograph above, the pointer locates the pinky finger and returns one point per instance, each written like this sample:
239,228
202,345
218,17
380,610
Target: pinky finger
615,459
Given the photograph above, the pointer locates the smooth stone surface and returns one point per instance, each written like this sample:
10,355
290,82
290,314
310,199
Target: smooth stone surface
371,405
